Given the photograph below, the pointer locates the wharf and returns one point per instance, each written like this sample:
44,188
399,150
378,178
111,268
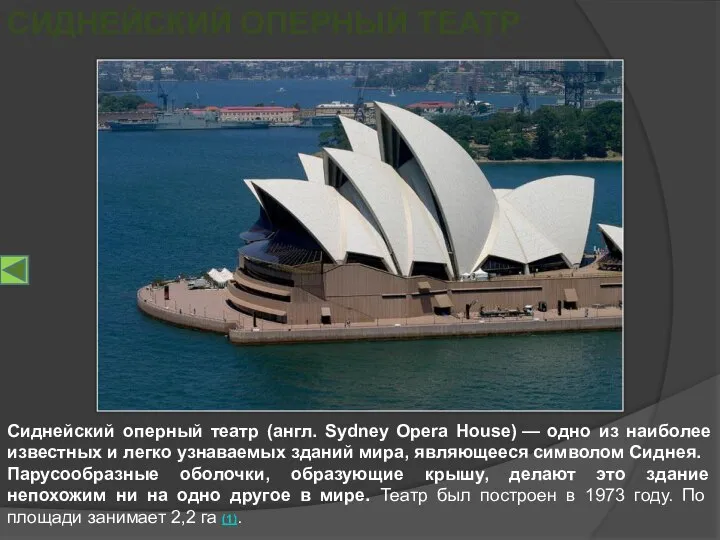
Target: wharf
206,309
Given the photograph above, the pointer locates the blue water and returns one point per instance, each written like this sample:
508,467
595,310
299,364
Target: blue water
310,92
174,202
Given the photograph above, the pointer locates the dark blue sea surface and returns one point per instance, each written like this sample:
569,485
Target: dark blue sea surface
310,92
174,202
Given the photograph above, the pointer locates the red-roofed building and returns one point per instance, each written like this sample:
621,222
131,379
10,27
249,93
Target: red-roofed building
265,114
147,106
431,106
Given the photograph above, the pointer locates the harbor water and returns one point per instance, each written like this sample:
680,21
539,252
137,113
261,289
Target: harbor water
310,92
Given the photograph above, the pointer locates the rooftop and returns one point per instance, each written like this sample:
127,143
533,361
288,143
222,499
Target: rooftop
334,104
431,105
257,109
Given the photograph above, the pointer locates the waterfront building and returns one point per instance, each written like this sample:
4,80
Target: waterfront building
147,107
539,65
335,108
406,224
431,107
305,113
264,114
370,113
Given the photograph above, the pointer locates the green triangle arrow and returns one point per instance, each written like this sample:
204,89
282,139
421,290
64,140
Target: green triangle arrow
18,270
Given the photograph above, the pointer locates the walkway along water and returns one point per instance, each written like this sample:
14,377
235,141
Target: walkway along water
207,310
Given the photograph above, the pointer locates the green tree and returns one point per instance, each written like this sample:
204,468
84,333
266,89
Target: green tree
611,114
567,116
603,126
520,146
595,142
462,131
571,145
335,138
110,103
502,121
500,146
546,116
543,144
465,145
566,132
482,133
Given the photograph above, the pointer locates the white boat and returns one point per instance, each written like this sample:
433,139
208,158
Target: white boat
281,89
392,92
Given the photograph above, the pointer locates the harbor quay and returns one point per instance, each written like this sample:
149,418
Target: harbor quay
208,310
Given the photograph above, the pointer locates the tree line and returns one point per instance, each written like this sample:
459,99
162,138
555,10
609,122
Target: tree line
111,84
418,76
549,132
121,103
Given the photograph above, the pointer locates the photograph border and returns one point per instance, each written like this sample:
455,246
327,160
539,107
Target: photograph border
310,411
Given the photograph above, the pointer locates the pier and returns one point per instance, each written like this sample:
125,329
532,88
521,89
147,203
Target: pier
207,309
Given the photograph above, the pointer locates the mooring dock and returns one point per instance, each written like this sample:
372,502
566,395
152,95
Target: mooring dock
207,309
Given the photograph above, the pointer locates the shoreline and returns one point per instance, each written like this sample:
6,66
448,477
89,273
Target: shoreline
209,313
475,329
614,159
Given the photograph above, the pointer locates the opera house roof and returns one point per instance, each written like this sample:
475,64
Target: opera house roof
410,200
613,236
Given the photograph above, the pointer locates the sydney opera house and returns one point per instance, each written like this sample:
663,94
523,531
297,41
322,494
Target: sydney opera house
406,224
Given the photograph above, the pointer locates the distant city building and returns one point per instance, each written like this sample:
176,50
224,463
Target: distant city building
460,81
334,108
431,106
370,113
539,65
265,114
305,113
